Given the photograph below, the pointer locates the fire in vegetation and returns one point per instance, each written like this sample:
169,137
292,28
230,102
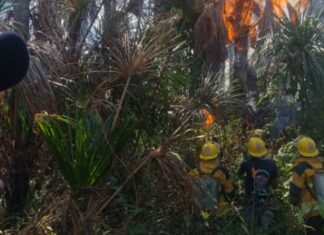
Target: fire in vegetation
242,18
209,118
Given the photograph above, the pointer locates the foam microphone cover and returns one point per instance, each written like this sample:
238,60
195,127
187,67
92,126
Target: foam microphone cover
14,60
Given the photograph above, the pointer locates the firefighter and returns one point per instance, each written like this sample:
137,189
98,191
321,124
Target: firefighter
303,187
212,186
260,173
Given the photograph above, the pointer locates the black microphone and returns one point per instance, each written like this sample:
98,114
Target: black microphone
14,60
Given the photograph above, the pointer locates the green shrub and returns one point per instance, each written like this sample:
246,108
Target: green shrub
84,147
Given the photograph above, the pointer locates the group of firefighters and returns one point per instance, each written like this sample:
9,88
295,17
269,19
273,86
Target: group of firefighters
213,188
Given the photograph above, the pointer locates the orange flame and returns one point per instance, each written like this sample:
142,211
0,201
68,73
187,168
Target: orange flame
279,7
209,118
240,17
237,18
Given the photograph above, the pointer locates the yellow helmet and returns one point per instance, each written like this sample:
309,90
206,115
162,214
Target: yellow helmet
256,147
306,147
209,150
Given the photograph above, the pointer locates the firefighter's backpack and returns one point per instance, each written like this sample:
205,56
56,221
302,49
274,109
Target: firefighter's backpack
206,190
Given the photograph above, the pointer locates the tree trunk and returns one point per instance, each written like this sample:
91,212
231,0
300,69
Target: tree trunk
267,22
21,15
74,27
21,160
109,30
88,16
45,21
241,61
244,73
92,10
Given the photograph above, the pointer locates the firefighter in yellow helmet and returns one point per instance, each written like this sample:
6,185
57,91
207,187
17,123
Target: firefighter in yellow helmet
259,174
305,187
211,182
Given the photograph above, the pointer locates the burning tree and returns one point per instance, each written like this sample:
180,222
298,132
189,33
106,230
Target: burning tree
230,29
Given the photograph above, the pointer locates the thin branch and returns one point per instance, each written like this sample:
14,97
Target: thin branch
120,103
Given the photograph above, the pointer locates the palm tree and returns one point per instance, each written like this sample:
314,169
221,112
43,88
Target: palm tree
21,15
299,51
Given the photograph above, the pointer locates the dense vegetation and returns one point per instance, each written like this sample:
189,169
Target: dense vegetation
121,94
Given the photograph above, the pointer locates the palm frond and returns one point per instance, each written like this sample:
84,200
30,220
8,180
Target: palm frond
210,34
298,48
214,96
47,27
35,92
144,55
81,146
137,58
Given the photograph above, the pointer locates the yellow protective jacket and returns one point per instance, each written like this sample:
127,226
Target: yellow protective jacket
222,176
301,186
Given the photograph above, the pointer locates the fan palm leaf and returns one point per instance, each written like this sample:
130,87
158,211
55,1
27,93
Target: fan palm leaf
213,96
298,48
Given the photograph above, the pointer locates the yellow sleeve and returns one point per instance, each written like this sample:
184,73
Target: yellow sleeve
225,181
